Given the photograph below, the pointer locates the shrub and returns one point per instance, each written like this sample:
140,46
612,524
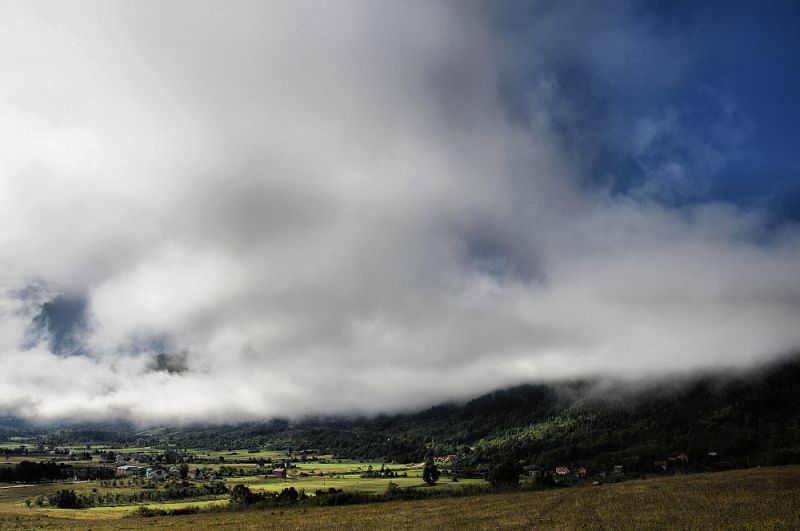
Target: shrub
505,475
65,499
392,490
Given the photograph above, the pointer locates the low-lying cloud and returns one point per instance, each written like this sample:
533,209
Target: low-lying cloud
319,208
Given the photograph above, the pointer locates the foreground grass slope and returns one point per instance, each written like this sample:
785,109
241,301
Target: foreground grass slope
764,498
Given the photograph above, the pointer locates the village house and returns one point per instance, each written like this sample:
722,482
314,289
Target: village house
129,470
662,465
582,472
155,473
562,470
279,472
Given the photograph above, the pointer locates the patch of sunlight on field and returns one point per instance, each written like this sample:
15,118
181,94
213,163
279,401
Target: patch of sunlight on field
14,444
241,455
344,466
137,450
120,511
353,483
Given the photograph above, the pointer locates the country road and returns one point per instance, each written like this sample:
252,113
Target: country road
40,484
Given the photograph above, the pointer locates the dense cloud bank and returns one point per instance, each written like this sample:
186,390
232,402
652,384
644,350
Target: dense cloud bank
332,207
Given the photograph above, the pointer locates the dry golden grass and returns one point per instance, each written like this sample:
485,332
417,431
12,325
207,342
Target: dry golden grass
765,498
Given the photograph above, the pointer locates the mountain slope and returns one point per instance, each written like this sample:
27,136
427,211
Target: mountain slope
753,419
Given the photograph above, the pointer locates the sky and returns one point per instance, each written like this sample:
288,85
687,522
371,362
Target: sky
223,211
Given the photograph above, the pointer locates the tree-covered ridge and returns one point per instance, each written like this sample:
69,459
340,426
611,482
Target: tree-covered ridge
722,421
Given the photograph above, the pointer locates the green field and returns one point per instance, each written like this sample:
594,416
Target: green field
345,482
762,498
319,472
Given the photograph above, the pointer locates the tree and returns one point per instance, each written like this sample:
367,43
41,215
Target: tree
430,474
506,474
65,499
289,495
241,495
184,470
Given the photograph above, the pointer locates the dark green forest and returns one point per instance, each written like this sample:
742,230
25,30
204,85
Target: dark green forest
719,421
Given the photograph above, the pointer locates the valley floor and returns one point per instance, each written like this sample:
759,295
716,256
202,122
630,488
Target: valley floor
762,498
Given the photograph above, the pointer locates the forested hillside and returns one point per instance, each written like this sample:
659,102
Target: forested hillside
719,422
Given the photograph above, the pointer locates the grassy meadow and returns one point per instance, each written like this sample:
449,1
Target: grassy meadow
320,472
761,498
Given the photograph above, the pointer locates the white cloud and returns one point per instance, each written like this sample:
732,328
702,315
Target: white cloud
327,207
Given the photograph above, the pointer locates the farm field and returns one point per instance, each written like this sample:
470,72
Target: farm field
121,496
348,482
762,498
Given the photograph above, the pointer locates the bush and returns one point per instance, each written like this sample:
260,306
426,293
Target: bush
392,490
65,499
146,512
505,475
242,495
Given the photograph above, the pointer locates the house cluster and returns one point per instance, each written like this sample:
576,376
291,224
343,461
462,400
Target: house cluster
279,470
564,475
148,472
581,472
142,459
673,461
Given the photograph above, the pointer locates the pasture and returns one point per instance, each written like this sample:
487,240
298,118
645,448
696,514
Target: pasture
117,498
761,498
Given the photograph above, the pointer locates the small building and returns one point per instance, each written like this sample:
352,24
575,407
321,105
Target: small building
155,473
562,470
279,472
129,470
660,465
582,472
617,469
195,474
121,459
682,458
